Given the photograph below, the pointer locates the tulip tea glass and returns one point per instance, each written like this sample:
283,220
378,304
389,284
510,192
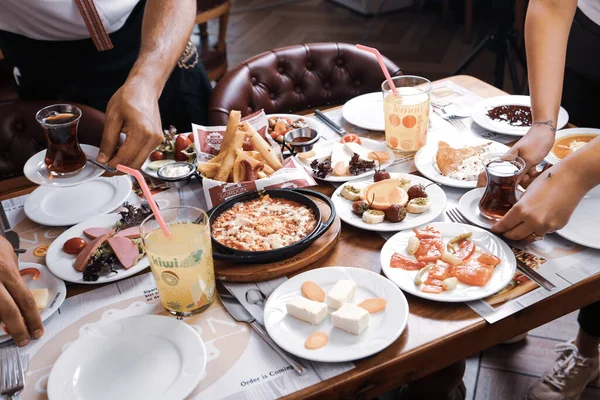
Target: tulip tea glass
500,194
64,156
182,263
406,113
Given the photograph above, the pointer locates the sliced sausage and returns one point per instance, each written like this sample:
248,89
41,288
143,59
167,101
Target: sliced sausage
126,251
131,233
93,233
83,258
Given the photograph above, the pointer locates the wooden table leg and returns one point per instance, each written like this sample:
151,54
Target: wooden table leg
445,384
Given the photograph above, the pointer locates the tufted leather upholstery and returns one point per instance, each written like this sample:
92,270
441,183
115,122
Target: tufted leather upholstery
295,78
21,136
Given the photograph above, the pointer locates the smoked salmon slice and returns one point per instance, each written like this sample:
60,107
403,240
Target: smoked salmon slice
440,271
432,289
466,248
430,250
427,233
489,259
473,274
409,264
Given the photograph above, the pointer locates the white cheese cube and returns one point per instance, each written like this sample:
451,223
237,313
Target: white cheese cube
41,297
340,154
358,149
340,293
307,310
351,318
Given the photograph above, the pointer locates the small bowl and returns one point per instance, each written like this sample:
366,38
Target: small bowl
177,174
301,139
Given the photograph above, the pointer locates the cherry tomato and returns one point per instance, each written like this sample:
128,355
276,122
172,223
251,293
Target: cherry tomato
157,155
74,245
191,137
30,271
181,143
350,138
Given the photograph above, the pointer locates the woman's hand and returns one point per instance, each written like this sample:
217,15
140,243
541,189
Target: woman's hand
545,207
533,147
18,310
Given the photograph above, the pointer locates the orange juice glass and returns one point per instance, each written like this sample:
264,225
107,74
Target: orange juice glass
406,113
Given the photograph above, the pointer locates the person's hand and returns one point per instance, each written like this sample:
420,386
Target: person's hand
532,148
18,310
133,110
545,207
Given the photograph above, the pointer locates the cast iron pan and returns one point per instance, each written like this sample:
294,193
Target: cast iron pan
222,252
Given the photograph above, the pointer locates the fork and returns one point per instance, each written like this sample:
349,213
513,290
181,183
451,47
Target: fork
458,125
13,377
457,217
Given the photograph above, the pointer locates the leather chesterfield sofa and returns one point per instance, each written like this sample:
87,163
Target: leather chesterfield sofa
21,136
297,78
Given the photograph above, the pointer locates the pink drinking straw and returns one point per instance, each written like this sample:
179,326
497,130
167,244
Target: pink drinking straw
381,64
146,190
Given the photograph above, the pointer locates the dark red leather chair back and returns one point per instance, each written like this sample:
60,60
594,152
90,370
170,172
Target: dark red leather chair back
21,136
296,78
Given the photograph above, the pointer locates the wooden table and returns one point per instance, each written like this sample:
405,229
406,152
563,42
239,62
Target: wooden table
438,335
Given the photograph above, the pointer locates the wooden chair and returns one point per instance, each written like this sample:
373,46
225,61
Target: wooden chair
214,57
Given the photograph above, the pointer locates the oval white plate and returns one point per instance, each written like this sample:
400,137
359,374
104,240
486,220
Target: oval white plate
425,161
435,193
551,158
365,111
154,173
384,328
71,205
469,208
490,243
61,263
57,291
480,115
323,149
584,226
35,170
141,357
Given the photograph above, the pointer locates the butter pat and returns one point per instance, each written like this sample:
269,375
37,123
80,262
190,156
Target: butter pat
340,293
351,318
313,312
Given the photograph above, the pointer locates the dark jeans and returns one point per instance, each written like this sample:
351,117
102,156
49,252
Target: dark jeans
580,99
74,71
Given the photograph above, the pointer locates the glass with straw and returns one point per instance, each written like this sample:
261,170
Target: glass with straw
177,242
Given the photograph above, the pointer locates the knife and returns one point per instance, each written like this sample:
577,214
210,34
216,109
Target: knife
338,129
240,314
535,276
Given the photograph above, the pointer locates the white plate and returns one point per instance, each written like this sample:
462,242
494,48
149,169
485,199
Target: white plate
551,158
365,111
61,263
35,170
154,173
323,149
142,357
469,207
62,206
584,226
484,240
343,206
57,291
426,164
384,328
480,115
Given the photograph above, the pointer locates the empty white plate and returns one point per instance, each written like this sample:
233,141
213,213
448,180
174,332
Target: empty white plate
61,263
584,226
481,109
57,291
426,164
35,170
384,327
365,111
63,206
488,242
142,357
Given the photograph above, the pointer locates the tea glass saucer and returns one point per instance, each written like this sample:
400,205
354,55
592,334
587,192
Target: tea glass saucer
35,170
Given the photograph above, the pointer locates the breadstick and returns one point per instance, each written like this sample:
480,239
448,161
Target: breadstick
267,169
262,146
230,156
232,127
237,169
208,169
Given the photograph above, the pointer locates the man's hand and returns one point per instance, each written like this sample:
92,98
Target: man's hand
545,207
133,110
18,310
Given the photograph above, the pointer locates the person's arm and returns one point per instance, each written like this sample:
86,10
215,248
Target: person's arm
18,310
133,109
547,28
550,200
